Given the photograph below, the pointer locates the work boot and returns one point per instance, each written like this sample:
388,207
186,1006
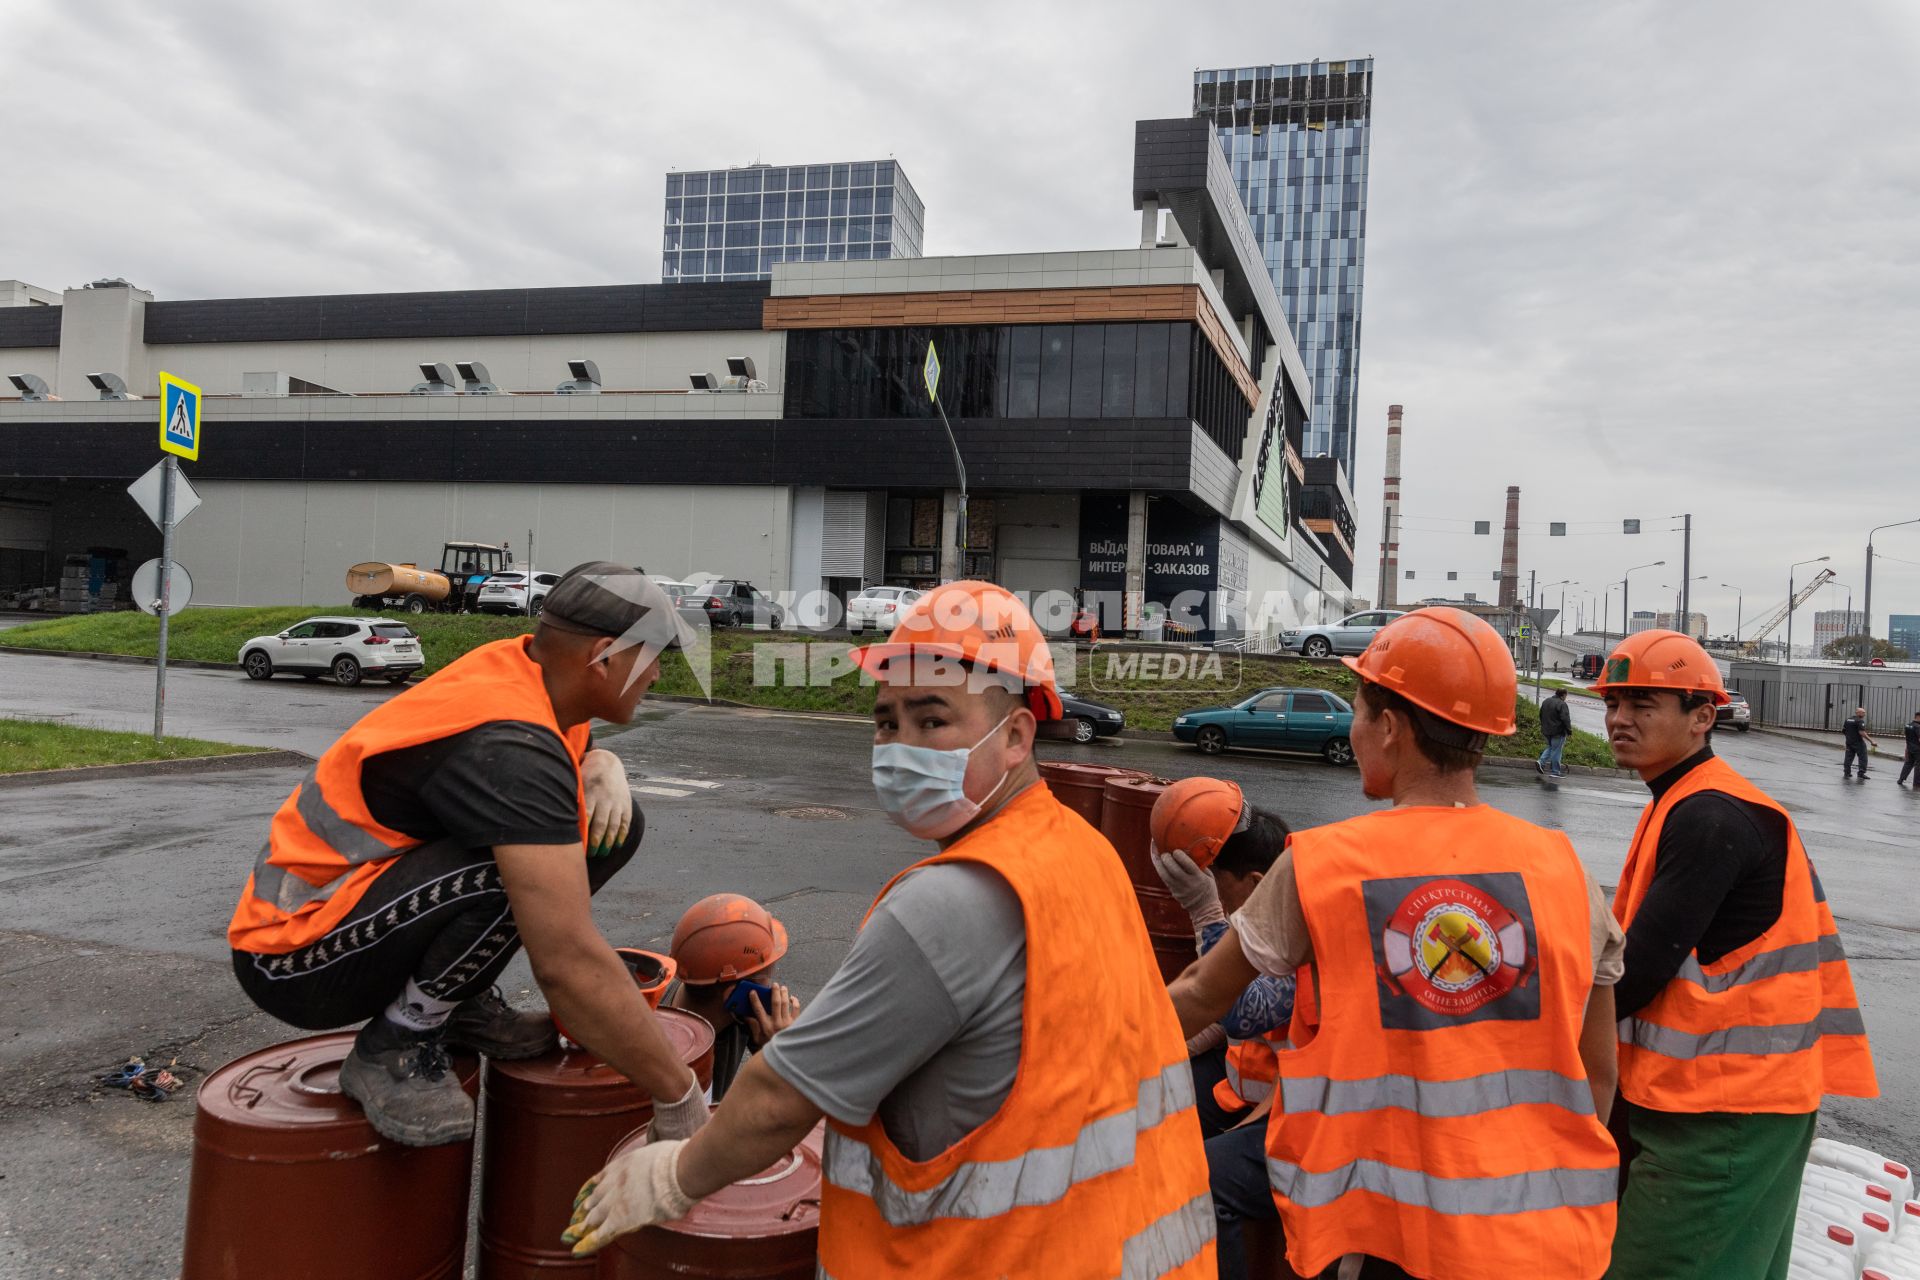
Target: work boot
405,1083
487,1024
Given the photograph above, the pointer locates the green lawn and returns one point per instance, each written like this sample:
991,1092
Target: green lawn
742,661
41,744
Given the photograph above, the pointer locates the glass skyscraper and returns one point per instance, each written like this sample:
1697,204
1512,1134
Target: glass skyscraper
734,224
1297,136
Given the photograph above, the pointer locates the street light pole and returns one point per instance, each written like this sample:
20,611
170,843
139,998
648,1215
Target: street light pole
1790,568
1738,602
1626,588
1868,607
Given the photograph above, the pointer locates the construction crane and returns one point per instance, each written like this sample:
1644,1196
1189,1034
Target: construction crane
1772,622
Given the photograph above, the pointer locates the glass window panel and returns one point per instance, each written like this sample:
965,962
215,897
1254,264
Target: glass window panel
817,204
863,175
860,228
816,231
696,184
776,180
840,173
773,205
883,201
767,258
882,250
818,177
836,253
839,204
1179,352
773,233
742,260
1023,375
715,262
859,252
694,237
861,202
815,253
1056,370
1116,380
1150,371
743,208
673,211
673,183
743,180
673,239
716,208
837,231
883,229
883,173
743,235
1087,352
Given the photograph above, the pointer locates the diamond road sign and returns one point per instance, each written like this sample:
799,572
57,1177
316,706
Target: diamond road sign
179,417
931,372
146,492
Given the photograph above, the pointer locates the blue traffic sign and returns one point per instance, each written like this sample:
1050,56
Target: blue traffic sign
179,417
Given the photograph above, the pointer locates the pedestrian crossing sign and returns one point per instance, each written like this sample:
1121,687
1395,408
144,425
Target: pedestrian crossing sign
179,417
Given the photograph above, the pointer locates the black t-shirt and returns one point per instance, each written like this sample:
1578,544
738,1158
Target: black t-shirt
1851,729
505,782
1719,877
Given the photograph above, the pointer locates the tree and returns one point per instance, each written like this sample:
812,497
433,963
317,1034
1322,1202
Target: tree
1850,648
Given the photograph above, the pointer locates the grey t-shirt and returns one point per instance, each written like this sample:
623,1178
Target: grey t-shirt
921,1025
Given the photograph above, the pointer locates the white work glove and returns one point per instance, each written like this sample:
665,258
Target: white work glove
681,1119
609,802
638,1188
1205,1041
1191,887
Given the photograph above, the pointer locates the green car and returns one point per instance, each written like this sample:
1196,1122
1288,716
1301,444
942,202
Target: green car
1279,719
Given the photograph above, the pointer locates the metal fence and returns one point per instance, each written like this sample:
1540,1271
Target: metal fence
1821,704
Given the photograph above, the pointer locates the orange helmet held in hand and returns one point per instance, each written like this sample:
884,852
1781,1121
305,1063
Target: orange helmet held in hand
982,625
1448,663
725,938
1197,815
1662,660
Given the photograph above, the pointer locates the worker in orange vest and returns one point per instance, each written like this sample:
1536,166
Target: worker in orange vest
725,950
1004,1081
1211,847
1445,1119
1737,1011
455,821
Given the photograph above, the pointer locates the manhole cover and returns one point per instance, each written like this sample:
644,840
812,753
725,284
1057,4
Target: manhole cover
813,813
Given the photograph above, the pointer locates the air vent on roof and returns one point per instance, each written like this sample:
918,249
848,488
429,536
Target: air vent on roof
111,386
586,379
475,380
439,381
31,386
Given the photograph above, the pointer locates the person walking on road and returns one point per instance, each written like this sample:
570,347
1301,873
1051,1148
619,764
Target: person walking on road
1854,730
1737,1010
1441,1112
1556,726
451,824
1004,1081
1912,761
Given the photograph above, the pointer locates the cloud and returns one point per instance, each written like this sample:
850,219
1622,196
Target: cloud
1637,258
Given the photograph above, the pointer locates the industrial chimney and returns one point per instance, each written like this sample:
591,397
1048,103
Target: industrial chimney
1390,516
1510,552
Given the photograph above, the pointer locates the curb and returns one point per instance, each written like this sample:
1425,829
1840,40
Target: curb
157,768
132,658
1586,770
1806,736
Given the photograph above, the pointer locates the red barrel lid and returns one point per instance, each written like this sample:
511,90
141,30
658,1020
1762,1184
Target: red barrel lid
781,1200
284,1103
1138,789
569,1079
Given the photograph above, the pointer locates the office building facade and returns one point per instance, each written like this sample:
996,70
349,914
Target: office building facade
737,224
1297,137
1903,629
1835,624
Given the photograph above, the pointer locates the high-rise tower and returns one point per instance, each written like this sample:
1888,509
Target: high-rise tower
1390,514
1510,552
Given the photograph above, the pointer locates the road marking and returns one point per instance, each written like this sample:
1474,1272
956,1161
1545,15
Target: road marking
685,782
675,792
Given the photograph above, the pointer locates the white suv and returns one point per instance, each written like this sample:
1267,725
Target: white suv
508,590
879,607
346,648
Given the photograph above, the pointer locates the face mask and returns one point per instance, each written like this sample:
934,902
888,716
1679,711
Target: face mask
923,789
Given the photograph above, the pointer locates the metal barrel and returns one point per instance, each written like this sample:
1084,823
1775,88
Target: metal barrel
1127,823
550,1124
766,1227
289,1180
1082,787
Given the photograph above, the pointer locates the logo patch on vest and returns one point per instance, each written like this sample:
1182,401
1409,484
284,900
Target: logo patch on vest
1453,949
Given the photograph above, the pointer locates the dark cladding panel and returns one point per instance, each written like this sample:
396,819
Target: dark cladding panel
28,327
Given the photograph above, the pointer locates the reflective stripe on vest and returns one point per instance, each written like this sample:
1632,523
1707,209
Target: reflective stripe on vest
1247,1089
1528,1192
1436,1099
355,845
1800,957
1162,1248
1792,1037
992,1188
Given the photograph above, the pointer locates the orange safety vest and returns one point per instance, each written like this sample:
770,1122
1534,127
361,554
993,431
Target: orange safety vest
1441,1117
1251,1068
1767,1028
324,849
1094,1165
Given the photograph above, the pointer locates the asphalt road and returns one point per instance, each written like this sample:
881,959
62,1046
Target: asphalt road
114,898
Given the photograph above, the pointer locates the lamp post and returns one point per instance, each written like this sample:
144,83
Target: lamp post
1626,589
1868,604
1790,568
1846,614
1561,618
1739,600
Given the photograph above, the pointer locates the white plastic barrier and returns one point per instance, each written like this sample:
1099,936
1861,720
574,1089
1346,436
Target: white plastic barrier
1870,1166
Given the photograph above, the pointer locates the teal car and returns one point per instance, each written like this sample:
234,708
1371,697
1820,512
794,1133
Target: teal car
1276,719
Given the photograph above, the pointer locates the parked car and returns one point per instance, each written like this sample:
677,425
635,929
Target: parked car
728,602
509,590
672,586
1351,634
1736,713
1090,720
349,649
1280,719
879,608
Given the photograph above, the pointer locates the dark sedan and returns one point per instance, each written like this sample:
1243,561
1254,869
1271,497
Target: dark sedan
1090,720
728,602
1278,719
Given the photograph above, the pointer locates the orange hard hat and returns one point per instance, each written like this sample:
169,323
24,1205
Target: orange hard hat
1662,660
1197,815
726,937
1448,663
982,625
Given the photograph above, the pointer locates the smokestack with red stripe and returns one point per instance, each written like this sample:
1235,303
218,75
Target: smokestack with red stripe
1510,552
1390,517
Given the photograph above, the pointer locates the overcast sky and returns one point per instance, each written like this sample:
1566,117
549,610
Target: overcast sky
1637,258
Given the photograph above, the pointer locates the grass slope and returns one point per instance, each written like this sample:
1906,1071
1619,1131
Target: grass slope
780,670
42,744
